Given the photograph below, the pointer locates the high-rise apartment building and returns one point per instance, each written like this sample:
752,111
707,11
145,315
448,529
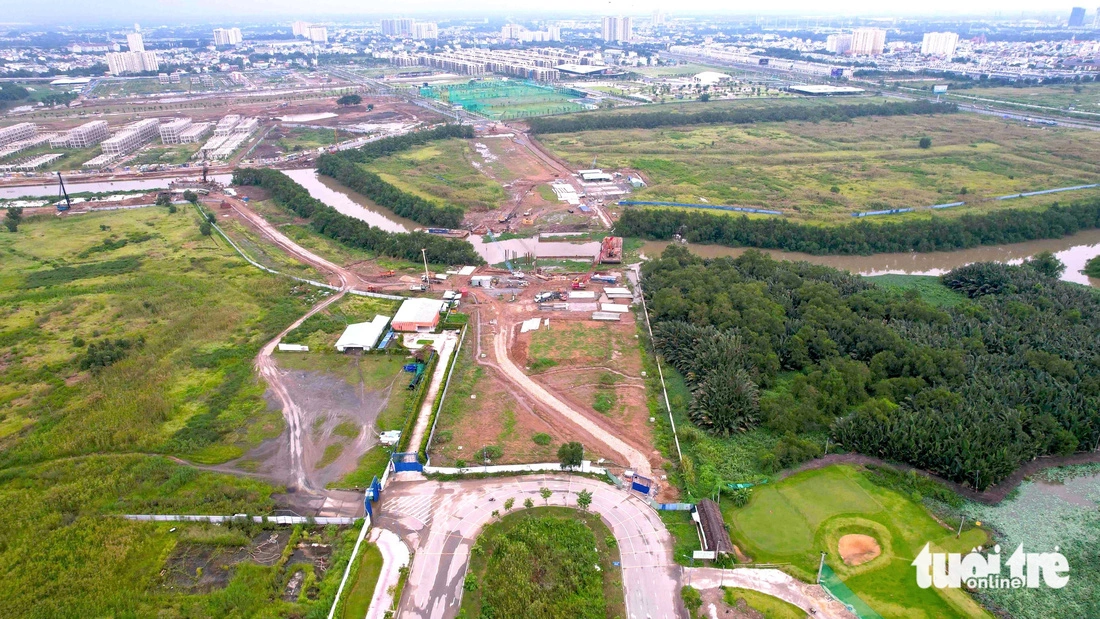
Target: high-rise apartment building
658,18
397,27
617,29
1077,17
135,42
318,34
300,28
511,32
425,30
838,43
939,44
868,41
132,62
227,36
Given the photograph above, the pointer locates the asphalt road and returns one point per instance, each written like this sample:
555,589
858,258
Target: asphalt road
442,520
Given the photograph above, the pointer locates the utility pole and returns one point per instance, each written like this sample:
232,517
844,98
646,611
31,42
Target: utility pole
427,276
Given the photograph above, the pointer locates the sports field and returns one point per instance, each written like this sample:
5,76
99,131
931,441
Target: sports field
507,100
829,170
792,522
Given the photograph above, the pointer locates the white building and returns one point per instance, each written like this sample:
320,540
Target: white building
868,41
170,132
362,335
86,135
227,36
939,44
425,30
132,62
135,42
226,124
617,29
710,78
511,32
318,34
132,137
397,27
194,133
300,28
14,133
838,43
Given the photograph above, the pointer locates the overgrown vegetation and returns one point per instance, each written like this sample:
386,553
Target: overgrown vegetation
351,231
863,237
734,116
969,392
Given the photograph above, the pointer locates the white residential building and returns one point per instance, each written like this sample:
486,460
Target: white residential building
132,137
511,32
195,132
227,36
132,62
868,41
300,28
425,30
135,42
838,43
226,124
939,44
318,34
397,27
86,135
14,133
617,29
170,132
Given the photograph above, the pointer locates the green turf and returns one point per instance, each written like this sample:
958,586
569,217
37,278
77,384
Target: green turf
358,596
791,522
768,606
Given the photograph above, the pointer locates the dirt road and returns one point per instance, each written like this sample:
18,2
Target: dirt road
633,458
810,598
442,521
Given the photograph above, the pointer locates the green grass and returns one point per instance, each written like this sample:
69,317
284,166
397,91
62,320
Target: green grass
296,139
180,153
73,158
358,596
685,535
927,286
768,606
371,464
441,172
545,557
1082,97
874,163
604,401
792,521
332,452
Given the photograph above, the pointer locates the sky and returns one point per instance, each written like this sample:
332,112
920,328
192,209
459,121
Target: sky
168,11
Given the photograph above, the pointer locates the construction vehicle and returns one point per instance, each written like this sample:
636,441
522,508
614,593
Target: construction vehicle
580,283
389,273
61,208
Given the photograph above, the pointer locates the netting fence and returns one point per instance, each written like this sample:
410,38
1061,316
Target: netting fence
840,591
503,100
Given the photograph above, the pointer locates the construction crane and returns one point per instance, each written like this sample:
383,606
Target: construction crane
62,193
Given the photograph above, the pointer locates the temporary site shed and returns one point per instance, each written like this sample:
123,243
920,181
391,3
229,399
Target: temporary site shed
417,314
362,335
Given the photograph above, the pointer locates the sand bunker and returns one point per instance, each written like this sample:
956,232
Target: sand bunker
858,549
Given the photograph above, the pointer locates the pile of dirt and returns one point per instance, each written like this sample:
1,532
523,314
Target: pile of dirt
857,549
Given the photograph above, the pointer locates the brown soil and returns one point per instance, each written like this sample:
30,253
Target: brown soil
857,549
200,568
716,597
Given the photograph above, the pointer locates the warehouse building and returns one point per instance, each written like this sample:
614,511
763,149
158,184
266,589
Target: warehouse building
417,315
362,335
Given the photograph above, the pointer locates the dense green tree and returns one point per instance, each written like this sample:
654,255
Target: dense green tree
13,217
570,454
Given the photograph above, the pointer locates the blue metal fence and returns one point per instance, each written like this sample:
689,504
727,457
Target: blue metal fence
717,207
406,462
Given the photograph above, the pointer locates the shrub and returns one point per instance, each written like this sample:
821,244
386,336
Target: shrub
541,438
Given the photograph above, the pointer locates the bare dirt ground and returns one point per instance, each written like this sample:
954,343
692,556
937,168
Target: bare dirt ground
714,605
857,549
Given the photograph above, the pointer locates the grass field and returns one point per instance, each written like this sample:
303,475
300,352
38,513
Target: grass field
499,100
442,172
769,607
928,287
545,556
113,353
1081,97
72,160
294,139
793,521
362,588
180,153
826,171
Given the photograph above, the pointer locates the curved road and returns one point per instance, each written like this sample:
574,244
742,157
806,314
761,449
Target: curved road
635,459
443,519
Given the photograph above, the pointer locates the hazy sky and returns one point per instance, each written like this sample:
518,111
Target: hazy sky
167,11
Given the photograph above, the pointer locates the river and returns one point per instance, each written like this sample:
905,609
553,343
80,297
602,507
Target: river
1074,251
50,190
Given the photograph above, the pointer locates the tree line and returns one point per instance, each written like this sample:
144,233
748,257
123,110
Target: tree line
863,237
735,116
968,391
354,232
343,166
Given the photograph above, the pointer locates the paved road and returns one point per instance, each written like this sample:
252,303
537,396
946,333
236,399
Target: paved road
635,459
810,598
442,520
